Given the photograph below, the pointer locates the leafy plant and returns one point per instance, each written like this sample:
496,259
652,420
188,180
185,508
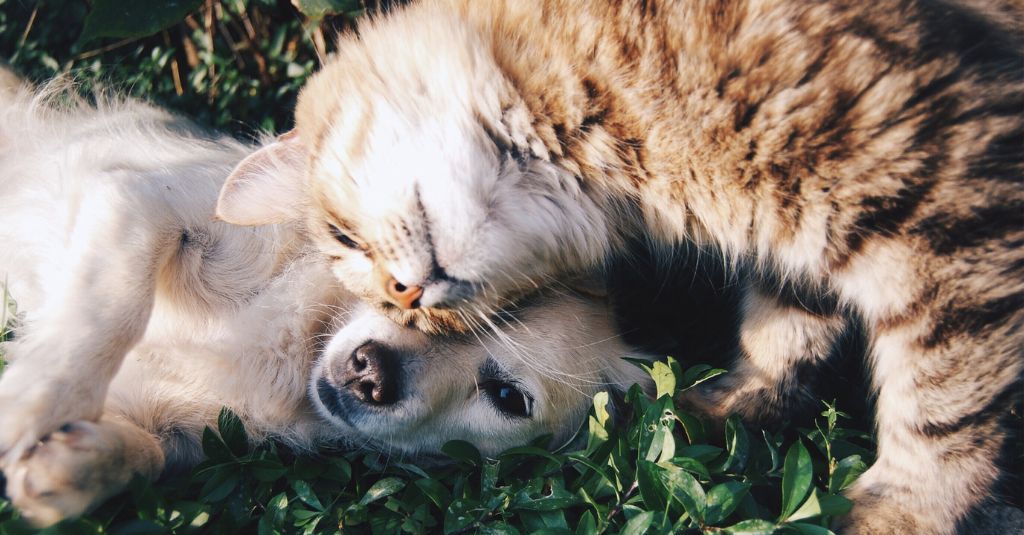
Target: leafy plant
235,65
659,474
8,308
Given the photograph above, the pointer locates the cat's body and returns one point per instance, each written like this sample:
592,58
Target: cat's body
861,159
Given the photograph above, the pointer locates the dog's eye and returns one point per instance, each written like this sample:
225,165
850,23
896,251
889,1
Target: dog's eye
342,238
508,398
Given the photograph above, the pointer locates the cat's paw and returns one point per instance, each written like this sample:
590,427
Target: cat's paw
68,472
878,516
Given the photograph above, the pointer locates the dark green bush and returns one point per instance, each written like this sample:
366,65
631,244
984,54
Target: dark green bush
659,474
234,65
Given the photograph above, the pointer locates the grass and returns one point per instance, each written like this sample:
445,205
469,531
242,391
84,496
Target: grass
7,311
662,473
236,66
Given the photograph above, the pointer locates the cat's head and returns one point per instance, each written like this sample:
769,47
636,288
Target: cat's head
425,181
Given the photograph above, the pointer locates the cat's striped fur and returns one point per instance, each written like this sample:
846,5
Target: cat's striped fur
864,155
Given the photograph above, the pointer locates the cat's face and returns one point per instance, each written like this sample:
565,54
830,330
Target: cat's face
404,392
434,197
431,220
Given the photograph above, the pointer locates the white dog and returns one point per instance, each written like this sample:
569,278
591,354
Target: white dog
142,316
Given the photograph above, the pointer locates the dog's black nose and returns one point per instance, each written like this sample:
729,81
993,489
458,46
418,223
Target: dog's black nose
372,374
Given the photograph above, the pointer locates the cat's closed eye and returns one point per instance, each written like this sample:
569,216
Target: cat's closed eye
343,238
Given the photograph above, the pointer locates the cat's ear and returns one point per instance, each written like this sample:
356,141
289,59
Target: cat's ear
267,186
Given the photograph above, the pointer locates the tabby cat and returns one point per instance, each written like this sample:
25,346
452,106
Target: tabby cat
861,159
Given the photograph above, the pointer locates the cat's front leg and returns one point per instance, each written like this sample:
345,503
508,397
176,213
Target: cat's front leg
942,408
778,340
79,466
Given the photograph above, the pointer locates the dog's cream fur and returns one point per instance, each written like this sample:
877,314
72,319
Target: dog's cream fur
124,278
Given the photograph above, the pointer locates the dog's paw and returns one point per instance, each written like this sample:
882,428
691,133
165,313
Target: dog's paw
68,472
33,407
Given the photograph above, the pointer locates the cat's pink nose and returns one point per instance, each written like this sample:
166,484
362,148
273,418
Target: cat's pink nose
407,297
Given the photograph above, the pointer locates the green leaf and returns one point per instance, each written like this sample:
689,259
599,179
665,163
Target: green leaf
232,431
809,529
318,9
703,453
819,504
846,472
737,444
214,447
685,489
355,514
796,478
638,524
695,375
663,445
383,488
547,521
601,408
556,500
305,514
533,452
587,524
136,527
306,494
693,466
723,499
664,379
272,519
135,18
437,492
224,480
500,528
649,482
753,526
460,450
656,430
773,450
267,470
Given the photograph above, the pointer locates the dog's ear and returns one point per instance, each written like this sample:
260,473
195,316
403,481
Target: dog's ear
267,186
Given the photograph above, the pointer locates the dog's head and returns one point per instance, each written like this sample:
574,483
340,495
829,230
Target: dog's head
406,393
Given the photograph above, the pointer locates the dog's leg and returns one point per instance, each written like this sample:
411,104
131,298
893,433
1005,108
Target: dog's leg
99,290
778,340
80,465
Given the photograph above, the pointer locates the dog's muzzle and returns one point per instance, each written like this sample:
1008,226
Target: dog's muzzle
370,377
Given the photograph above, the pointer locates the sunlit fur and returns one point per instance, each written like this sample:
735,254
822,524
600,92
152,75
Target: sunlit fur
856,158
141,316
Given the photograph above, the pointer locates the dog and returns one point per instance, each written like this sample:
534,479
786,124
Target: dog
141,315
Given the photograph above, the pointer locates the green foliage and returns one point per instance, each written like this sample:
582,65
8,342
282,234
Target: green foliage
646,477
235,65
115,18
8,309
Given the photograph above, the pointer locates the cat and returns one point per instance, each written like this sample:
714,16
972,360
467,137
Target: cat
857,160
140,317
